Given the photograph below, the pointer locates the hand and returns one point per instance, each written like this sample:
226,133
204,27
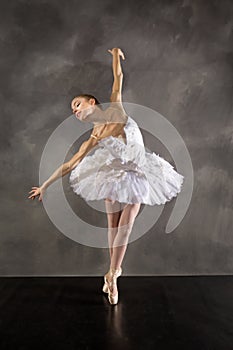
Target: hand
37,191
118,50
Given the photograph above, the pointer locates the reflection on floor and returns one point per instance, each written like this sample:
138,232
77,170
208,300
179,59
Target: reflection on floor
152,313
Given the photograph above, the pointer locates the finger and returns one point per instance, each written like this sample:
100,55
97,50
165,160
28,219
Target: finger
32,194
34,187
31,191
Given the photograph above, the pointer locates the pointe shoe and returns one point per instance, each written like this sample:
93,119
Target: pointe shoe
105,287
110,279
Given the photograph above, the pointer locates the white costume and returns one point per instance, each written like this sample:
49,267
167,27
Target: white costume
125,171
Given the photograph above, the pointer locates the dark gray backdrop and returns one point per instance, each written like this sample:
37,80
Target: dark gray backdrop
178,62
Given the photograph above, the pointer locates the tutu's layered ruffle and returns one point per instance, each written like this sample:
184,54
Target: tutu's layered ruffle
126,173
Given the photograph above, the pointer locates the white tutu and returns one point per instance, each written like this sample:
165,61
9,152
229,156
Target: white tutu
126,173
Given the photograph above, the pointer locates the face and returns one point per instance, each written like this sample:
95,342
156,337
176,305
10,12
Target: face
82,107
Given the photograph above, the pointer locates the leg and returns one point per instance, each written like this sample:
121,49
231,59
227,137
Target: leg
125,226
119,247
113,215
118,244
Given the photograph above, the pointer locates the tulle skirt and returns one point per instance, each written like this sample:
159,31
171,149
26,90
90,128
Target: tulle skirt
127,174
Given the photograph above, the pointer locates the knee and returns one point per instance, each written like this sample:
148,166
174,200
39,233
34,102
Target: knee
125,231
112,230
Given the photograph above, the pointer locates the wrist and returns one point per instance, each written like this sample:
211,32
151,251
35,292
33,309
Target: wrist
44,186
116,52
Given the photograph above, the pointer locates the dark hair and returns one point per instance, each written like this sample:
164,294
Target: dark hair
88,97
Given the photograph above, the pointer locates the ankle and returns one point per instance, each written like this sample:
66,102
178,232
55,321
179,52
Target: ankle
114,271
115,268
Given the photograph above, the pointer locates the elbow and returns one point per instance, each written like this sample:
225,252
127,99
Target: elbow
67,167
119,75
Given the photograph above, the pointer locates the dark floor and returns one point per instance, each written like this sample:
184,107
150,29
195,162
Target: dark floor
152,313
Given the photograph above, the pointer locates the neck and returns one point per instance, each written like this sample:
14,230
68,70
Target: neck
98,117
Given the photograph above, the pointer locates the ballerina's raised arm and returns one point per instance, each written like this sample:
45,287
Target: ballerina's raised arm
117,74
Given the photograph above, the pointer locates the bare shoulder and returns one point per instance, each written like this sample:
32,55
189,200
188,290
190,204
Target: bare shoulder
116,113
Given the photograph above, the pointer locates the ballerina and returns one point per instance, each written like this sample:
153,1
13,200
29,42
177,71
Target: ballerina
113,165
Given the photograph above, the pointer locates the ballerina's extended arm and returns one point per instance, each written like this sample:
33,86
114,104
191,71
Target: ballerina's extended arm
64,168
105,130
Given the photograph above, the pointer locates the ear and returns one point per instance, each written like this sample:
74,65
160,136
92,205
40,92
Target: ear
92,101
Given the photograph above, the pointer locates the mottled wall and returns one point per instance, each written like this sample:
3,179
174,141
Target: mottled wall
179,63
